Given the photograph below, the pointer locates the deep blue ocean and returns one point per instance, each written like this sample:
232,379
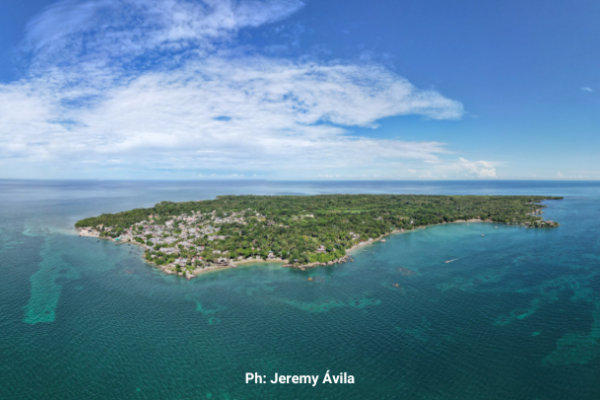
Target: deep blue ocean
516,316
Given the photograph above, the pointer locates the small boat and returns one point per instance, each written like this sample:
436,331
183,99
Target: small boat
482,235
382,240
449,261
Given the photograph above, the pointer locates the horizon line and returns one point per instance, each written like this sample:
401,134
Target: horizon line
293,180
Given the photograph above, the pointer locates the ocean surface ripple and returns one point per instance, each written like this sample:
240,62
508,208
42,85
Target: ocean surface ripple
516,315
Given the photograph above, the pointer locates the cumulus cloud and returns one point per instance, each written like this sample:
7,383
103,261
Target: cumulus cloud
478,169
160,85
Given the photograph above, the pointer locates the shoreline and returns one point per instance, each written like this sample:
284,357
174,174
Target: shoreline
400,231
86,232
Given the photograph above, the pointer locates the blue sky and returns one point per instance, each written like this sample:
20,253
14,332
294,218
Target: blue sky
290,89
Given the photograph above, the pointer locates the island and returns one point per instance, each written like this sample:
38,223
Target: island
188,238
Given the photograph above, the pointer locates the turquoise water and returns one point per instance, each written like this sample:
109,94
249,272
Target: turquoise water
516,316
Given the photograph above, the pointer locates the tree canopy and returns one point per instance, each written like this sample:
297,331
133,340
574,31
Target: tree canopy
296,227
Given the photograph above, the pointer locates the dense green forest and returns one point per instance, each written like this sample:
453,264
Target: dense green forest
345,209
295,227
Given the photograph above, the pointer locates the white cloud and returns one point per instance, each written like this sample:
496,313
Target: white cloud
478,169
209,107
586,89
128,28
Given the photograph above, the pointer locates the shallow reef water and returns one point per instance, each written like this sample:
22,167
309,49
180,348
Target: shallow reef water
436,313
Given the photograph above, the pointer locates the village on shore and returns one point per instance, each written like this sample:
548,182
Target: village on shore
174,246
192,237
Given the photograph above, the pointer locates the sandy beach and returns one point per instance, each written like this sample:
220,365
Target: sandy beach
285,263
